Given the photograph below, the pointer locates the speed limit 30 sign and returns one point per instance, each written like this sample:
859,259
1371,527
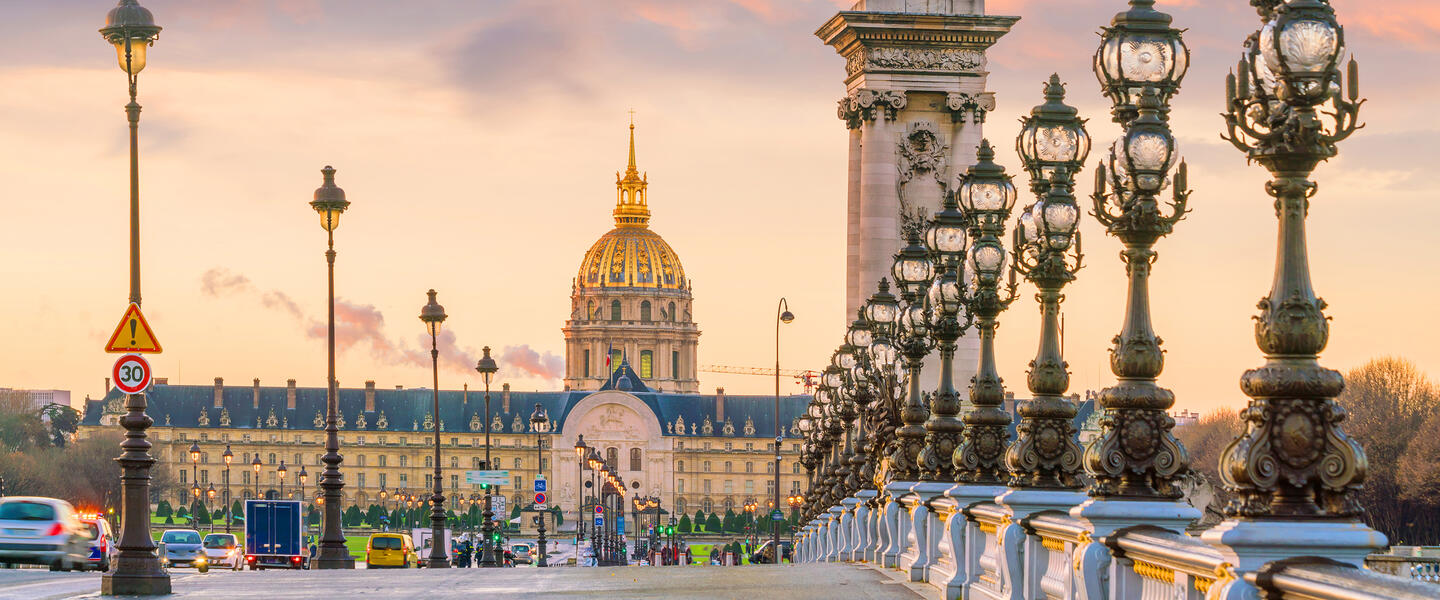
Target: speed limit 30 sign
131,373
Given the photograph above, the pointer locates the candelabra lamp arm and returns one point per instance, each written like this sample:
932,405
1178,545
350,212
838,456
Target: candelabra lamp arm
1179,197
1108,209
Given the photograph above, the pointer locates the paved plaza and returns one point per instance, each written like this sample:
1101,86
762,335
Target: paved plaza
797,582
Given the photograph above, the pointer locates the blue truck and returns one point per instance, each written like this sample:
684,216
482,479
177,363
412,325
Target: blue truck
273,533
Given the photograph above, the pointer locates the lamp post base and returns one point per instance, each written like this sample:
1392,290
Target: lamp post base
333,558
145,579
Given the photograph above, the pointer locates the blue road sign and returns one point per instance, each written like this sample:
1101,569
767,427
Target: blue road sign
540,484
599,521
777,516
620,522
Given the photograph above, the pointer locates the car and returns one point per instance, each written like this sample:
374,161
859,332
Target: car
766,553
223,551
522,553
390,550
102,542
183,549
42,531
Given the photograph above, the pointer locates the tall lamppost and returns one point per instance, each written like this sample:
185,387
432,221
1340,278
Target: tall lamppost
329,201
580,450
210,499
539,420
304,501
1293,461
433,315
229,458
881,314
195,468
131,29
486,367
782,315
255,466
986,196
1053,145
280,473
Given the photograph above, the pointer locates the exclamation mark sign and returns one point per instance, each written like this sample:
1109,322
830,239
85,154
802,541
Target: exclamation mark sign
132,331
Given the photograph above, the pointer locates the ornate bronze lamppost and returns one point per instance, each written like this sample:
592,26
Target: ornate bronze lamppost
1292,461
539,421
229,458
986,195
433,315
131,28
782,316
881,313
330,203
1053,145
945,243
488,558
1140,63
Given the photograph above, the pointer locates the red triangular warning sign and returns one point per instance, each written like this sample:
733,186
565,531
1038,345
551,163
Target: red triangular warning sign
133,334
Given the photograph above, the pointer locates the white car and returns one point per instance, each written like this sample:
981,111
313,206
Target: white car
223,551
42,531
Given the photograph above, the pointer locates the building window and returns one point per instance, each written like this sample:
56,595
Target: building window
614,310
769,487
729,446
299,459
729,503
518,464
205,476
634,459
675,364
404,480
795,488
586,368
403,460
204,458
706,486
647,358
672,312
382,460
707,506
272,458
475,462
795,468
429,461
359,460
680,505
728,467
245,479
382,480
680,486
454,462
750,447
429,481
707,466
454,482
518,483
750,486
360,479
729,486
645,311
612,456
615,356
680,466
750,466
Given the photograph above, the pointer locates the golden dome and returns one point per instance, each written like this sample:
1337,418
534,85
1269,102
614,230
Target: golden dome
631,255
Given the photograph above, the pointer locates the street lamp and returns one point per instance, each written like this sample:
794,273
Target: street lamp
986,196
580,451
255,465
1052,137
210,498
329,202
1140,50
195,463
539,420
130,28
304,476
229,457
486,367
782,315
280,473
433,315
1293,461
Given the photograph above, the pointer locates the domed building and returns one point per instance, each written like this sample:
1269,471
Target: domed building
631,302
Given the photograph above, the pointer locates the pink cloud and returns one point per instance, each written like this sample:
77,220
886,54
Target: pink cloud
1415,23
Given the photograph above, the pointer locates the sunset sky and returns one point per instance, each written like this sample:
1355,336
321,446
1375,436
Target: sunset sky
478,142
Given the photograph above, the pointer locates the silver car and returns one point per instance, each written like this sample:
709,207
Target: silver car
42,531
182,548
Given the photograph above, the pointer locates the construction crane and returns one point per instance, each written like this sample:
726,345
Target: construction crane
804,377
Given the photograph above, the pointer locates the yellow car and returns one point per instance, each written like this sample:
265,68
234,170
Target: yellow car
390,550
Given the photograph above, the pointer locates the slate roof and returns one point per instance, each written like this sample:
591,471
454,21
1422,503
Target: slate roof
407,409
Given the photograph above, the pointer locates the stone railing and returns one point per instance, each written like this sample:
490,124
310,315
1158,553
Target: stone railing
1419,568
980,549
